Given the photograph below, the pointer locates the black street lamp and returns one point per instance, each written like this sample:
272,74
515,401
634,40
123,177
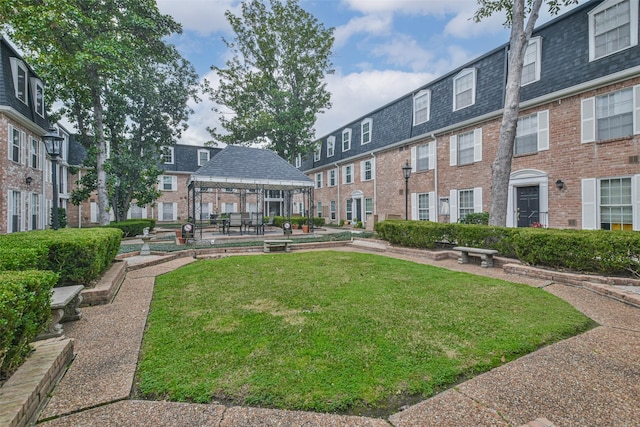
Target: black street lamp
406,171
53,145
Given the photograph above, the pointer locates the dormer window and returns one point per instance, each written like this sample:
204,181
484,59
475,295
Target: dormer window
203,157
421,107
331,146
531,66
613,26
464,89
299,160
167,155
317,152
346,140
365,131
38,96
19,71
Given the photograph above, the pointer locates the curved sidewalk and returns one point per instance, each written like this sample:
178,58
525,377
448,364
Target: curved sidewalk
590,379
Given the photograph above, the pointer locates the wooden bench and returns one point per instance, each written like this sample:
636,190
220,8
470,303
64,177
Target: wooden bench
268,244
65,303
485,254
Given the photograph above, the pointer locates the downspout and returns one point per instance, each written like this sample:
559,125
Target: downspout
338,184
435,177
375,186
80,205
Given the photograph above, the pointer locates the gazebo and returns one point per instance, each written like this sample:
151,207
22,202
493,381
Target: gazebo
252,171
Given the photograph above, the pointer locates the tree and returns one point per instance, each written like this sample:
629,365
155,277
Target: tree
82,48
274,84
516,11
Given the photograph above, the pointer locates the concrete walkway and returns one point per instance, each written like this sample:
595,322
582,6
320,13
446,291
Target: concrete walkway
589,380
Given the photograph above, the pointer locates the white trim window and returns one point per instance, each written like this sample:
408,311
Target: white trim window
332,210
15,144
367,170
19,71
331,146
203,156
423,206
299,160
423,157
464,89
317,153
466,148
613,27
136,212
331,178
611,203
167,155
14,222
168,183
319,180
35,154
319,209
532,133
346,140
612,115
167,211
464,202
368,207
347,174
421,107
366,128
38,96
349,209
34,212
532,65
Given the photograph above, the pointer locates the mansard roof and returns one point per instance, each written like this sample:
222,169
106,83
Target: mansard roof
185,157
565,64
8,100
245,167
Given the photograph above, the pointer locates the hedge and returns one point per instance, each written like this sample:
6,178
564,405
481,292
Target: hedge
133,227
78,255
25,308
588,251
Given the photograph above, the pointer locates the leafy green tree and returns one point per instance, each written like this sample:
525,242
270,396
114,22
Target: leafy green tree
517,11
274,84
85,48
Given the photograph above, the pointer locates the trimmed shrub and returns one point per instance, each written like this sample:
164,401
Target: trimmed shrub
589,251
78,255
481,218
25,308
133,227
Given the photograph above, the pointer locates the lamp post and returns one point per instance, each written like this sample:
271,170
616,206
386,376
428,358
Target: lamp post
406,171
53,145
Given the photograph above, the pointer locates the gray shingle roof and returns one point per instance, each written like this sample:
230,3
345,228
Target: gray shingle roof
245,167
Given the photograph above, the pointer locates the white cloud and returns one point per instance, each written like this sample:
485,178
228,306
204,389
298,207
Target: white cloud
404,51
423,7
463,26
369,24
202,16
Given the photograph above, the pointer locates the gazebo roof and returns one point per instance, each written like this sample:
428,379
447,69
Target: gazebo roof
245,167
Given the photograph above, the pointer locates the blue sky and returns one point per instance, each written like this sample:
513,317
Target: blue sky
383,49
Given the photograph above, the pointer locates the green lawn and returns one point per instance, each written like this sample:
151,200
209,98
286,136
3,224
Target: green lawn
335,331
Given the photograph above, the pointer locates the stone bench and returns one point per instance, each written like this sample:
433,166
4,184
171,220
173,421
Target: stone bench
485,254
65,303
268,244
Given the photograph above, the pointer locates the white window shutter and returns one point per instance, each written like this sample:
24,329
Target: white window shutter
9,141
414,158
160,181
174,183
160,211
373,168
414,206
477,145
432,155
175,211
362,166
23,148
635,187
636,109
9,207
453,151
23,211
543,130
477,199
588,120
453,206
589,206
433,207
94,212
112,215
129,212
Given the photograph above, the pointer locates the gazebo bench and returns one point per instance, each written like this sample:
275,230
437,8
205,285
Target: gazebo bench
485,254
268,244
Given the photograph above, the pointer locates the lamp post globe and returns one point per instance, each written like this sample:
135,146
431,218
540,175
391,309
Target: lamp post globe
53,145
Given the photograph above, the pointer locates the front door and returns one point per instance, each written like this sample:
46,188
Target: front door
528,205
357,212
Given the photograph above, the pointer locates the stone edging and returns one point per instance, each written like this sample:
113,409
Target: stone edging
24,395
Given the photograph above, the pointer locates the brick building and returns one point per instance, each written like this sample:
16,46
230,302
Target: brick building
25,171
576,154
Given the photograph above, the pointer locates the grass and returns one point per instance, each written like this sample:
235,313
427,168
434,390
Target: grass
336,331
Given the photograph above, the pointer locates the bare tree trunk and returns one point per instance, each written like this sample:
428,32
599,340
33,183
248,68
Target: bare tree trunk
501,168
101,187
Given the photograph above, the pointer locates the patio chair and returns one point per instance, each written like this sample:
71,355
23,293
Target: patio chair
235,220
